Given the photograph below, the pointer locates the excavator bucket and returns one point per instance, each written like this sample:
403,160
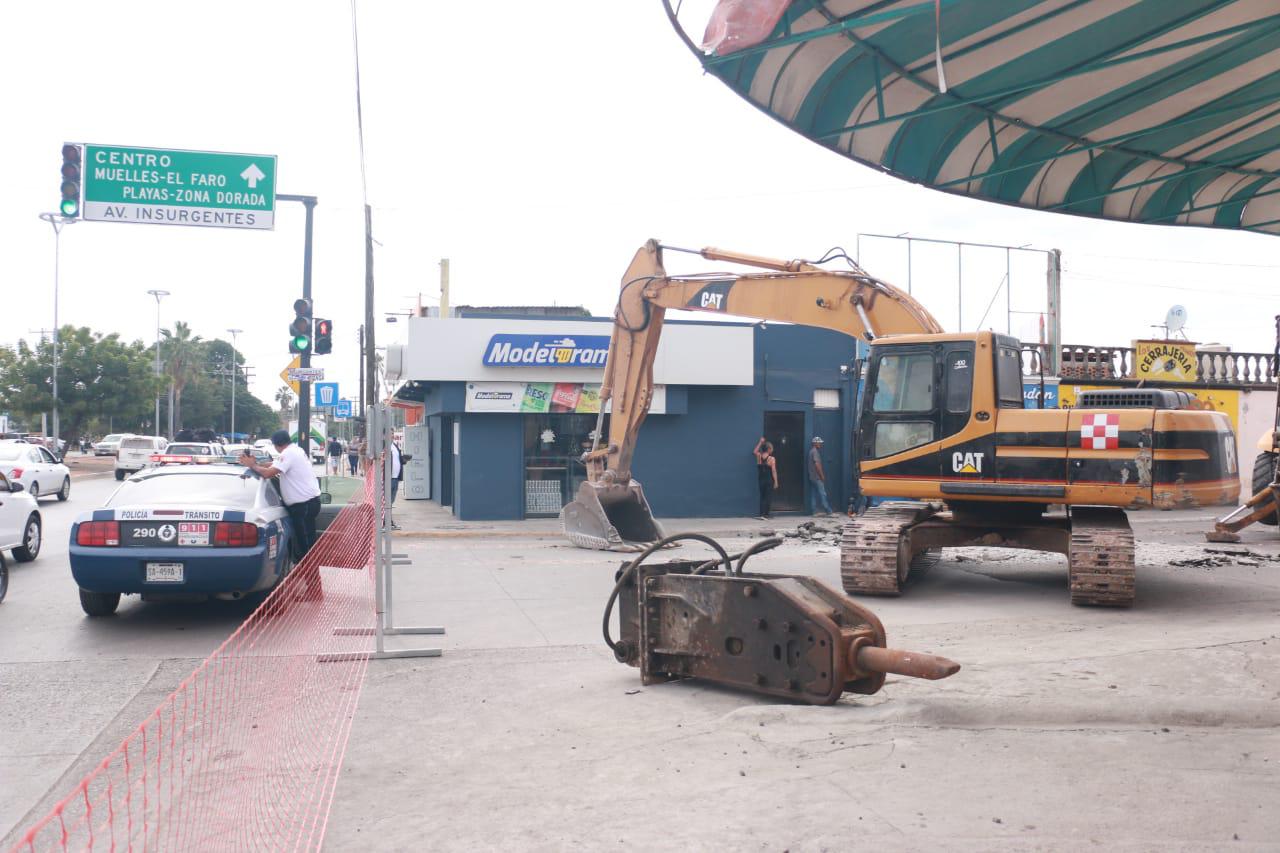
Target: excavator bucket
609,517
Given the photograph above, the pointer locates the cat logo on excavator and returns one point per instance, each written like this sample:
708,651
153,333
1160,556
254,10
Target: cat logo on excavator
966,463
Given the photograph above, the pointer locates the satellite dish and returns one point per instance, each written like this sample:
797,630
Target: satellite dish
1175,319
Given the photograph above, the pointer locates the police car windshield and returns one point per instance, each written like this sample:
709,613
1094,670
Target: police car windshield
226,490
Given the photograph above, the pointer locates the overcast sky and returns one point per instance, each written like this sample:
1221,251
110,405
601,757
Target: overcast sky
536,145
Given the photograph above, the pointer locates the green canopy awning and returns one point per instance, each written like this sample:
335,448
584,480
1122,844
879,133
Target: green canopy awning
1154,111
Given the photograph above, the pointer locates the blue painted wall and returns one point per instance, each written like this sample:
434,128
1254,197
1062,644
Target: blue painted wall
488,472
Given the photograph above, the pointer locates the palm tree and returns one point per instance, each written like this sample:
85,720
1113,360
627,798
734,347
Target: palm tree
284,397
181,352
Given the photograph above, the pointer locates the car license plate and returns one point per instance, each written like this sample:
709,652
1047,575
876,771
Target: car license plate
164,572
193,533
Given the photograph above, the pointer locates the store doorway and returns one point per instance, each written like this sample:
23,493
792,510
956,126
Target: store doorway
786,431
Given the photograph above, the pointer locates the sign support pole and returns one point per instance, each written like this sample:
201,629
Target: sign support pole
304,388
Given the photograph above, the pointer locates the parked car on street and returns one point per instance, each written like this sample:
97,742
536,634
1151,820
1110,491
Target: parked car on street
214,530
36,468
109,444
135,453
20,524
195,449
264,445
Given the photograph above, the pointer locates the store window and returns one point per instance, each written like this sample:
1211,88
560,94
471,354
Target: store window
553,447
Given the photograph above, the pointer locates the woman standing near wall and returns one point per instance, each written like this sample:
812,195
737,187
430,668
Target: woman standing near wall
766,474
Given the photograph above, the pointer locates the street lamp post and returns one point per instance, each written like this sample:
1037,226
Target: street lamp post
233,332
158,294
58,224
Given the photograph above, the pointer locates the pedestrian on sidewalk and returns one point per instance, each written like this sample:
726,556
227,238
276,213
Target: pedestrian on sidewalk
397,474
817,479
335,455
766,474
353,454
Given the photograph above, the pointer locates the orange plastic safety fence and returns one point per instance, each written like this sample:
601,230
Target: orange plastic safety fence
245,753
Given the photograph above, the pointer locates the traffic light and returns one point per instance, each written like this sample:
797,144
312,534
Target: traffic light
70,206
324,337
300,328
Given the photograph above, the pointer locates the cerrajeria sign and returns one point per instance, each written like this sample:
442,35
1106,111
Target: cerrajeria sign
160,186
547,350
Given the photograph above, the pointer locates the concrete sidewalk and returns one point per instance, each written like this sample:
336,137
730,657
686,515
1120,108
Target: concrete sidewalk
429,520
1154,728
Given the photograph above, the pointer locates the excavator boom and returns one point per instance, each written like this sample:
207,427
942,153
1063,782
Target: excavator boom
610,509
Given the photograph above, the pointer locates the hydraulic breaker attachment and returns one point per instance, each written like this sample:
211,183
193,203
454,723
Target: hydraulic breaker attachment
784,635
607,516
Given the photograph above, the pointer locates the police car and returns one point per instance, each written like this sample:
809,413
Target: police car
182,531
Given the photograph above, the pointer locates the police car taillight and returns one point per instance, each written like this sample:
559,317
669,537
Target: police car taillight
98,533
235,534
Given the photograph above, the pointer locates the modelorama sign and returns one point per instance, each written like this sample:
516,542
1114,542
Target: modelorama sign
547,350
545,398
171,187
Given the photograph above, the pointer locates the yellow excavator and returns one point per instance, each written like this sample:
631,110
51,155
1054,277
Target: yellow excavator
941,421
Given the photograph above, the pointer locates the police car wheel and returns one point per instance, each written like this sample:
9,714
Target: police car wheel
35,490
99,603
4,577
65,491
30,547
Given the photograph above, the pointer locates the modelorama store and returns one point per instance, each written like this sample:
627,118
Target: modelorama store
501,407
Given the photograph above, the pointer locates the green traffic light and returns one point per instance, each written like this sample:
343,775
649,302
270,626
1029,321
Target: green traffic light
302,343
70,207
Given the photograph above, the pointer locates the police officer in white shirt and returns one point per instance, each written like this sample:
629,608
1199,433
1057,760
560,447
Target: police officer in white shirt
298,486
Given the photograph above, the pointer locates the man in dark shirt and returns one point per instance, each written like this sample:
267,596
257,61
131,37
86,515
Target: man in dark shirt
817,479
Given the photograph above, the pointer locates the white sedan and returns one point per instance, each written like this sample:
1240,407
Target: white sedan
38,470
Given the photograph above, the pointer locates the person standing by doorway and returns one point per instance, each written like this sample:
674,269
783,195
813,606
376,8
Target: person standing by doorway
766,475
817,479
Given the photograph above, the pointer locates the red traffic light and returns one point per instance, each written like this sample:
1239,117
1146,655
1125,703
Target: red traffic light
302,307
323,327
71,153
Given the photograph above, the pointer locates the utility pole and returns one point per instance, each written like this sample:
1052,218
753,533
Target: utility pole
58,224
363,402
370,363
1054,281
158,294
304,388
233,333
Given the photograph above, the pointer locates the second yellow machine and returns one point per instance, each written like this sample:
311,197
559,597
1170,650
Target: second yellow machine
941,421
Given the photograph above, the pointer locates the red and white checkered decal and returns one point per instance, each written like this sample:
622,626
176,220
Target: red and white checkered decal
1100,432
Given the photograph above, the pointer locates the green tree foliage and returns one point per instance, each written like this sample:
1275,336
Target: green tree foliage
106,385
99,378
206,369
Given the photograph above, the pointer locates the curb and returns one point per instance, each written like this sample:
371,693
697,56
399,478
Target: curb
519,534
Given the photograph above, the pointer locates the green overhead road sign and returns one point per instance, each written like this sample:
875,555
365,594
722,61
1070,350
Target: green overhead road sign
159,186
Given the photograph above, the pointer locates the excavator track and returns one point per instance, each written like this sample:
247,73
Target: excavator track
1100,562
872,558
